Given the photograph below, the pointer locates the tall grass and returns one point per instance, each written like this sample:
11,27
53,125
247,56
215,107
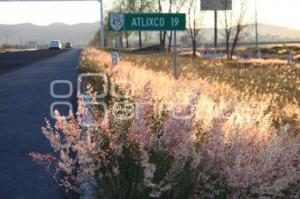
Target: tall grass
278,83
186,138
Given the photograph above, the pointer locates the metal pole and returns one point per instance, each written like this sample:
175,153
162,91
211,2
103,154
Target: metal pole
116,40
120,42
216,29
101,25
256,30
174,57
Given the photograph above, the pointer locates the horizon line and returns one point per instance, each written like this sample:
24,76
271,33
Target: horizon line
72,24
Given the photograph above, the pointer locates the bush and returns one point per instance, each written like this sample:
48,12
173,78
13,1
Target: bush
183,144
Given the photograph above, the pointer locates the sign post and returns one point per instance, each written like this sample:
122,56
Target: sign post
101,25
149,22
174,56
115,59
216,5
256,32
216,29
120,41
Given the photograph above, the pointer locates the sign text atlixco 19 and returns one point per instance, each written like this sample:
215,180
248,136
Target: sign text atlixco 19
147,22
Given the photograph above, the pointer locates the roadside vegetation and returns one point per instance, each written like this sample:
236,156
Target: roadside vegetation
227,128
278,83
279,52
161,138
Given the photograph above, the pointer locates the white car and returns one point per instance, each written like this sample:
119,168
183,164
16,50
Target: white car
55,45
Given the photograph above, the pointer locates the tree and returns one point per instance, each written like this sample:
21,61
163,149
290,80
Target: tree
185,40
133,6
144,5
121,6
174,6
194,23
139,6
162,34
234,25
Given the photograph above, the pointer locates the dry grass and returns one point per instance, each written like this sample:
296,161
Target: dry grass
241,141
190,138
263,77
273,83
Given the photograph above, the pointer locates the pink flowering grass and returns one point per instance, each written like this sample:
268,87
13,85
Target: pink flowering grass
128,158
184,142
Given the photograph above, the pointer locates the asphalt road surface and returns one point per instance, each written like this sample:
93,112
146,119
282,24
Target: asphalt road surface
25,101
13,60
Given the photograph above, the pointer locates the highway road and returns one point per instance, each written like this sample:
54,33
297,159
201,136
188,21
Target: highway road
24,103
13,60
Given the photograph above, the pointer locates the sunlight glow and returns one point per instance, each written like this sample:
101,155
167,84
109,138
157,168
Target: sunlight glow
282,13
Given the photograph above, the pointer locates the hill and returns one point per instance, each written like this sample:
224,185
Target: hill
267,32
79,34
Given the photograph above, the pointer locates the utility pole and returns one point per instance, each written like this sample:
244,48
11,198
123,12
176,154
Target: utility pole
256,31
101,25
216,29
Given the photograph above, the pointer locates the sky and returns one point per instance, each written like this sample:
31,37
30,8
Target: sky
276,12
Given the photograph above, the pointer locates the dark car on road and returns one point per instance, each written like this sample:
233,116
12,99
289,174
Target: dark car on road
68,45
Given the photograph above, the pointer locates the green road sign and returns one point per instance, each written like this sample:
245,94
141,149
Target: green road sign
147,22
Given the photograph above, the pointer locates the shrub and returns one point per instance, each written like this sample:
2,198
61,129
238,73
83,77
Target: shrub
179,144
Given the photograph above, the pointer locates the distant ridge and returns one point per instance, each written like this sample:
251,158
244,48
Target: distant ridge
79,34
82,33
267,32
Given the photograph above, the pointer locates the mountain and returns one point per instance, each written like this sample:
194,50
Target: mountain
81,34
267,32
78,34
272,32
